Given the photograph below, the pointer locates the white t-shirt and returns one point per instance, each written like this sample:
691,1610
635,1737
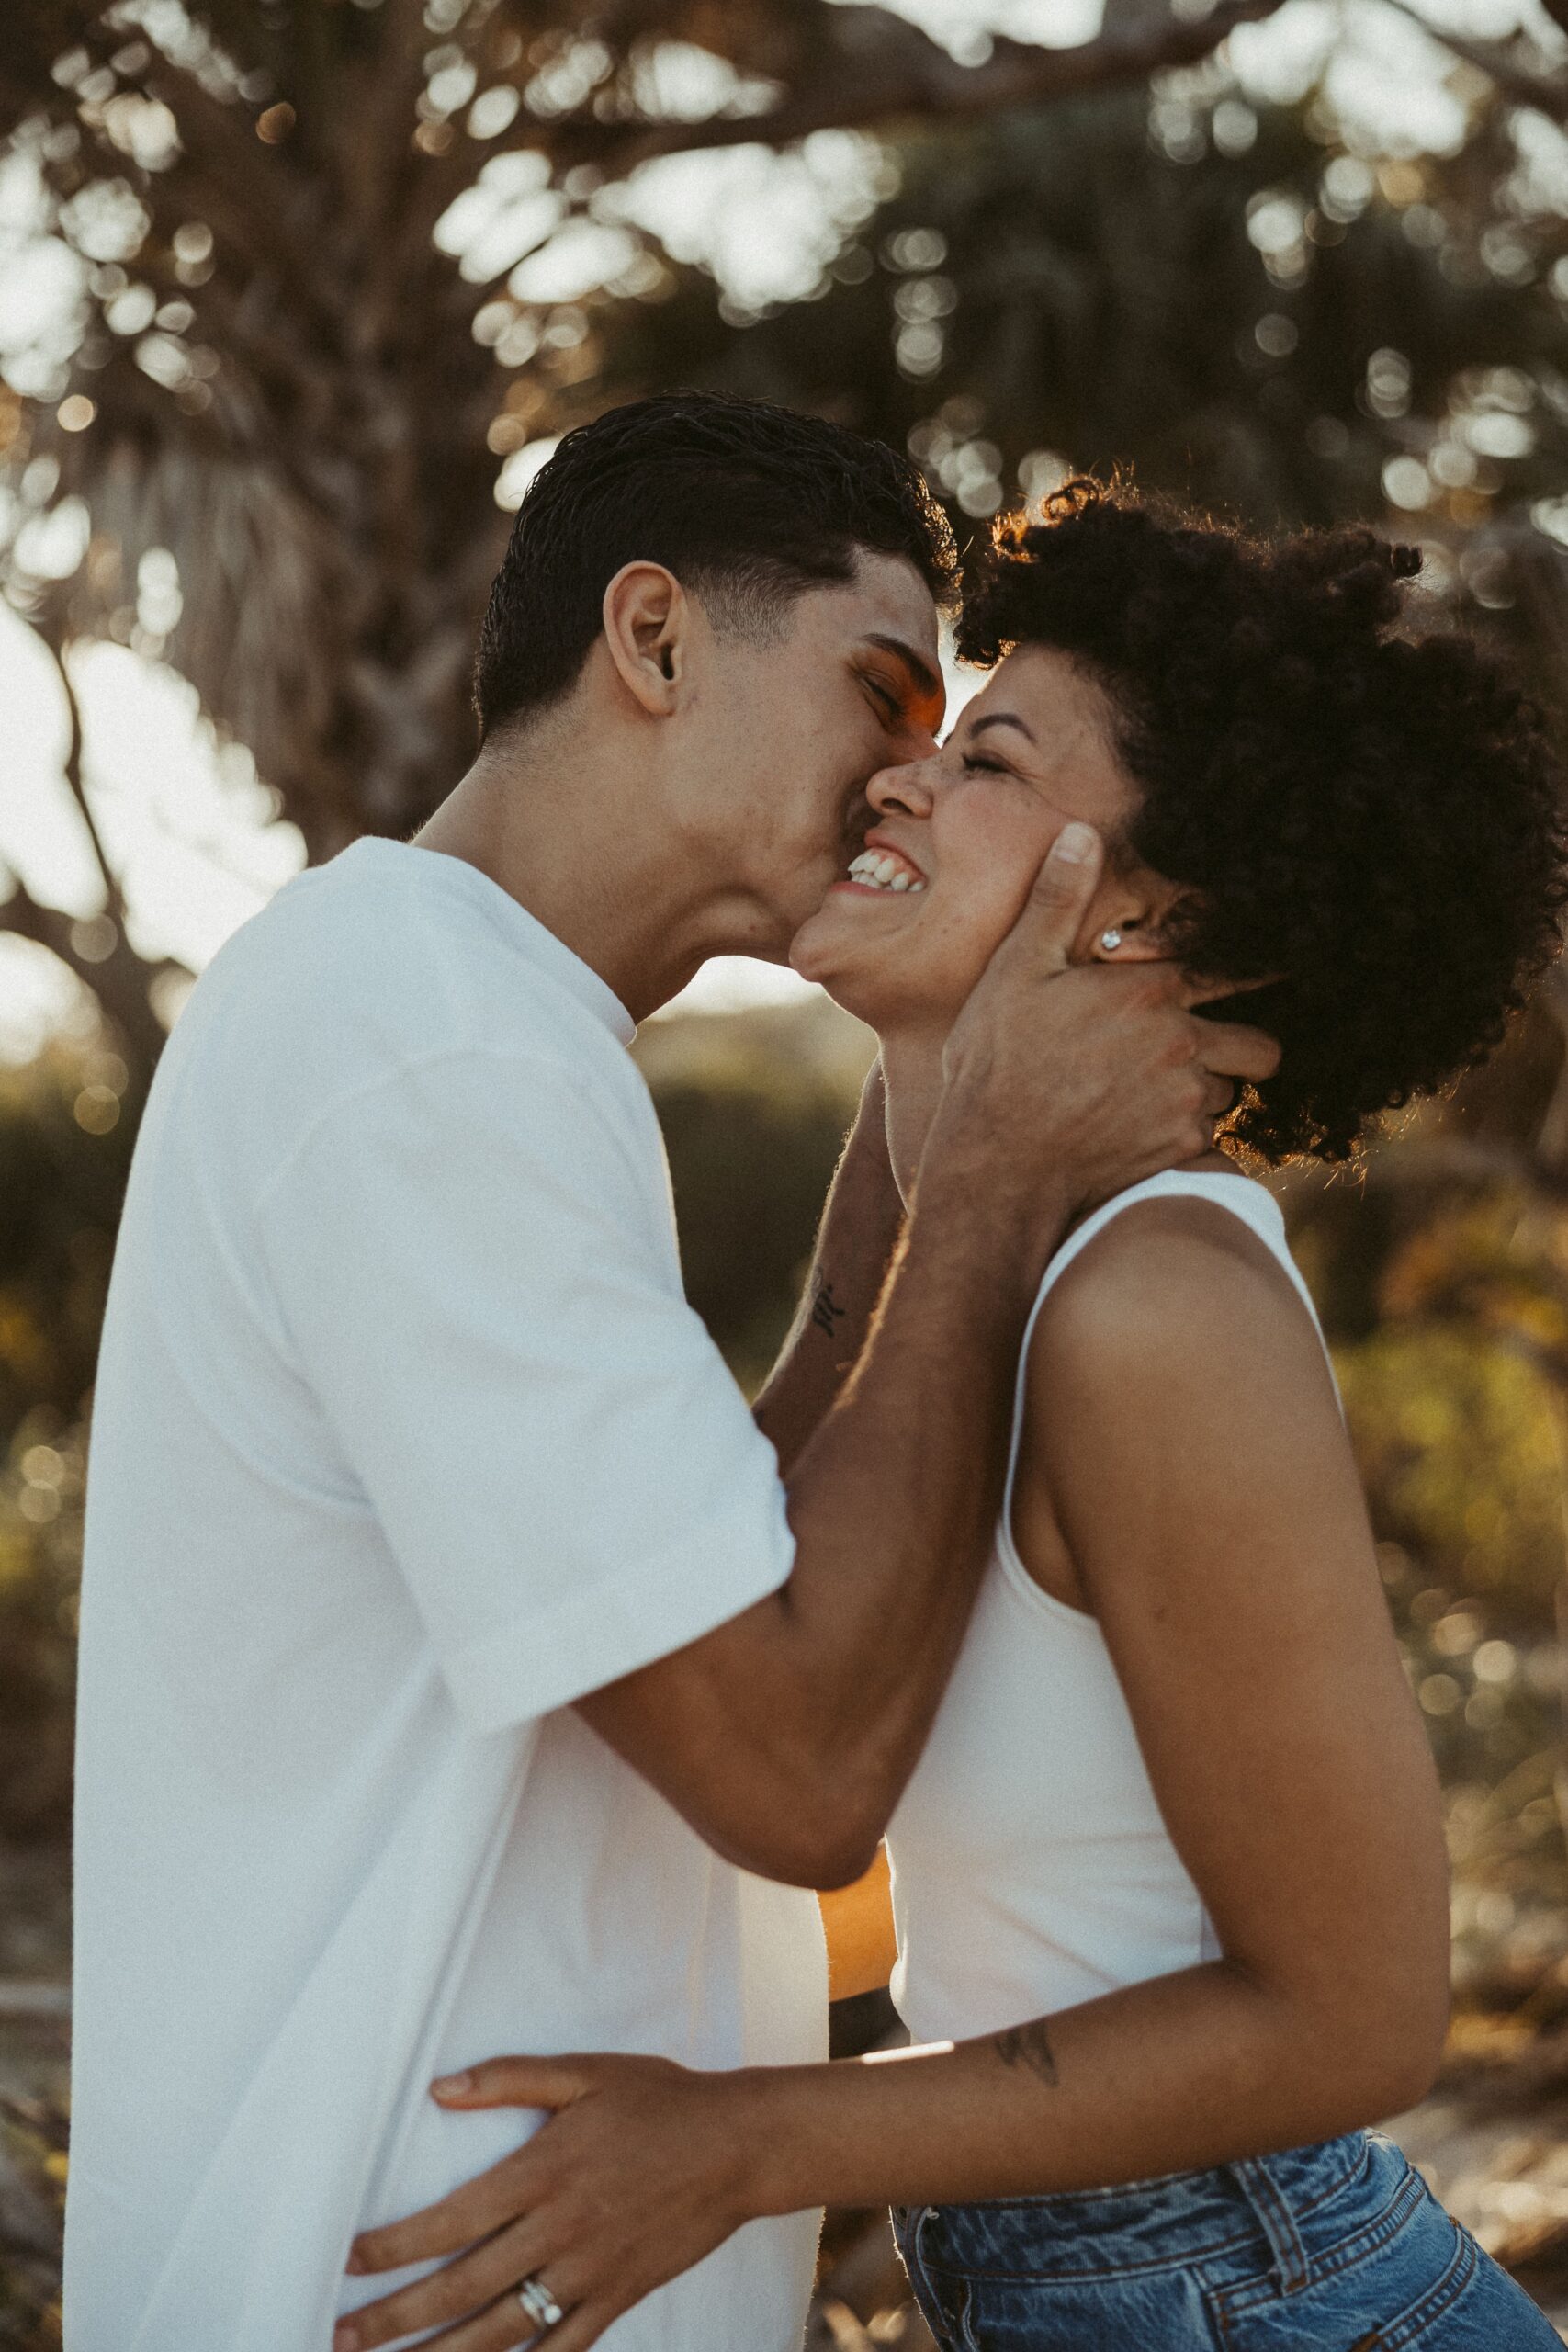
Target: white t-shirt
404,1439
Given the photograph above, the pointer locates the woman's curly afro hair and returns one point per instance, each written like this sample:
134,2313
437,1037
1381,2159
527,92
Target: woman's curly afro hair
1374,820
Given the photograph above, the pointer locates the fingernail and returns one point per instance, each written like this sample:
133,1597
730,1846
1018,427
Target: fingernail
354,2266
345,2336
1074,844
451,2085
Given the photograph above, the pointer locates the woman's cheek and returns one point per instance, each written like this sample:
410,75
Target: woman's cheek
957,948
995,894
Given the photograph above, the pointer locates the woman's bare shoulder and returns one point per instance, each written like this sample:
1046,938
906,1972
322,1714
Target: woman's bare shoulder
1175,1367
1172,1284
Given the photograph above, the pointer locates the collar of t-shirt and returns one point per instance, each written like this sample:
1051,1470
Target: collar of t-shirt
468,885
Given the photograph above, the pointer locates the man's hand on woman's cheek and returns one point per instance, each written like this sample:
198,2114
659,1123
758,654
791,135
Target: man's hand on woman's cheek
637,2174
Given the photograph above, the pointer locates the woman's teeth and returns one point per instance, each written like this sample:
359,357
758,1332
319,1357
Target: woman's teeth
877,871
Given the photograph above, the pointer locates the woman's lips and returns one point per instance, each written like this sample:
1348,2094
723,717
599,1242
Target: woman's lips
881,870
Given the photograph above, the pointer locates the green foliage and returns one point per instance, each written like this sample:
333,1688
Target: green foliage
1446,1286
64,1147
64,1152
1459,1440
1080,286
1075,286
755,1110
32,2206
41,1565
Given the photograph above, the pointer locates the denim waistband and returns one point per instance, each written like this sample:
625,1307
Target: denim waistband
1177,2218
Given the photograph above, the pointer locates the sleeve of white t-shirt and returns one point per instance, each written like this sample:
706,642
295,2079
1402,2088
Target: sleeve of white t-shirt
474,1275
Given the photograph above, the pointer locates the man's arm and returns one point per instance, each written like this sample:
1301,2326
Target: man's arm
860,1225
785,1736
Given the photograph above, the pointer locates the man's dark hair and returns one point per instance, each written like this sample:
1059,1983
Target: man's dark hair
746,505
1374,818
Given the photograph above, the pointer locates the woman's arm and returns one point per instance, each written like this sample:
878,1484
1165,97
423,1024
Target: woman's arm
1204,1487
1200,1475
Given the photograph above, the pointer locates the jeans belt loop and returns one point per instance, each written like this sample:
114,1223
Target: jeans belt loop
912,2245
919,2270
1275,2219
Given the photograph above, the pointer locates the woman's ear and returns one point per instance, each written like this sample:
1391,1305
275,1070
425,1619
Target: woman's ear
1130,941
1127,925
646,620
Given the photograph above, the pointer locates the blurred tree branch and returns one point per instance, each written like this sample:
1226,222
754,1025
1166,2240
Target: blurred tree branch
119,978
294,391
325,486
1507,65
861,68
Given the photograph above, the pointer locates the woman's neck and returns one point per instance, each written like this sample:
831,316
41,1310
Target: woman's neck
913,1073
912,1068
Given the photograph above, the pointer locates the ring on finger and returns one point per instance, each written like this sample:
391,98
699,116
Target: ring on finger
539,2304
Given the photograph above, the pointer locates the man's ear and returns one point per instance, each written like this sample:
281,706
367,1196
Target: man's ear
647,621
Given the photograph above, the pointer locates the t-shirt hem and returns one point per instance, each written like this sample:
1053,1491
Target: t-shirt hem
535,1665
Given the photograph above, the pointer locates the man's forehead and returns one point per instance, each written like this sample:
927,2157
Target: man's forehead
885,599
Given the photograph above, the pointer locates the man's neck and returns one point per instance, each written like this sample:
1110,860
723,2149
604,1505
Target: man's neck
628,893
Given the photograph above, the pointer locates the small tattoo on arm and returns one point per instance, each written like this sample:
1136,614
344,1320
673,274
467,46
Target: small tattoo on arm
1029,2045
826,1310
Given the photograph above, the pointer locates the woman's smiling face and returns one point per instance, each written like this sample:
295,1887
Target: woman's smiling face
959,838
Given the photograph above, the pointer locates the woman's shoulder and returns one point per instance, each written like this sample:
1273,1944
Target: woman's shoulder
1176,1278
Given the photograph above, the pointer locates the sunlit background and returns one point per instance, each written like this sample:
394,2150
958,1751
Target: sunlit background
197,841
296,295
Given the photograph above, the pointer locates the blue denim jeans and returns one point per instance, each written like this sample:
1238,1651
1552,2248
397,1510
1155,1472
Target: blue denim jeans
1335,2248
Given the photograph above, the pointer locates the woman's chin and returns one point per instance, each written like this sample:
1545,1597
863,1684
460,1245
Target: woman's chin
813,952
859,981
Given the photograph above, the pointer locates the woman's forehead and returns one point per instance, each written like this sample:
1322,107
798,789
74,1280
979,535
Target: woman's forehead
1047,683
1057,721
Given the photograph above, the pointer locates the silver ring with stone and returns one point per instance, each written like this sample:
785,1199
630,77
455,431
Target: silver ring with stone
539,2304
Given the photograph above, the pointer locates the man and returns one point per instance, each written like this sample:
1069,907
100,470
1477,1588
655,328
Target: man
453,1656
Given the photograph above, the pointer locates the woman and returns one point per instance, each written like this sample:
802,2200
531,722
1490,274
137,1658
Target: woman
1169,1878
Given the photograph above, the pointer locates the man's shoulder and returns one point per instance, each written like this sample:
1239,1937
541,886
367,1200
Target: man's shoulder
358,937
384,956
354,979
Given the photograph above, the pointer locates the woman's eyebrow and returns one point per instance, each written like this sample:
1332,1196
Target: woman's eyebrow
1001,719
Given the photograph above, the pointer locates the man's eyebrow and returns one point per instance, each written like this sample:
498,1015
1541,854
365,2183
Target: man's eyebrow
928,679
1001,719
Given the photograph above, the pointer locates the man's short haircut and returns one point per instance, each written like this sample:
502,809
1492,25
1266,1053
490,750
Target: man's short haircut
746,505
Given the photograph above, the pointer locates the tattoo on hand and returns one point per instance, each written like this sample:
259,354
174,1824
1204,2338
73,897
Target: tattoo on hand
1029,2045
826,1310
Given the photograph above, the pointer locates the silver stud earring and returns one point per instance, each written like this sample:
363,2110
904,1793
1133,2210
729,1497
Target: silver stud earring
1111,941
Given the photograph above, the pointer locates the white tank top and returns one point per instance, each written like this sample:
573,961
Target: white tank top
1031,1866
